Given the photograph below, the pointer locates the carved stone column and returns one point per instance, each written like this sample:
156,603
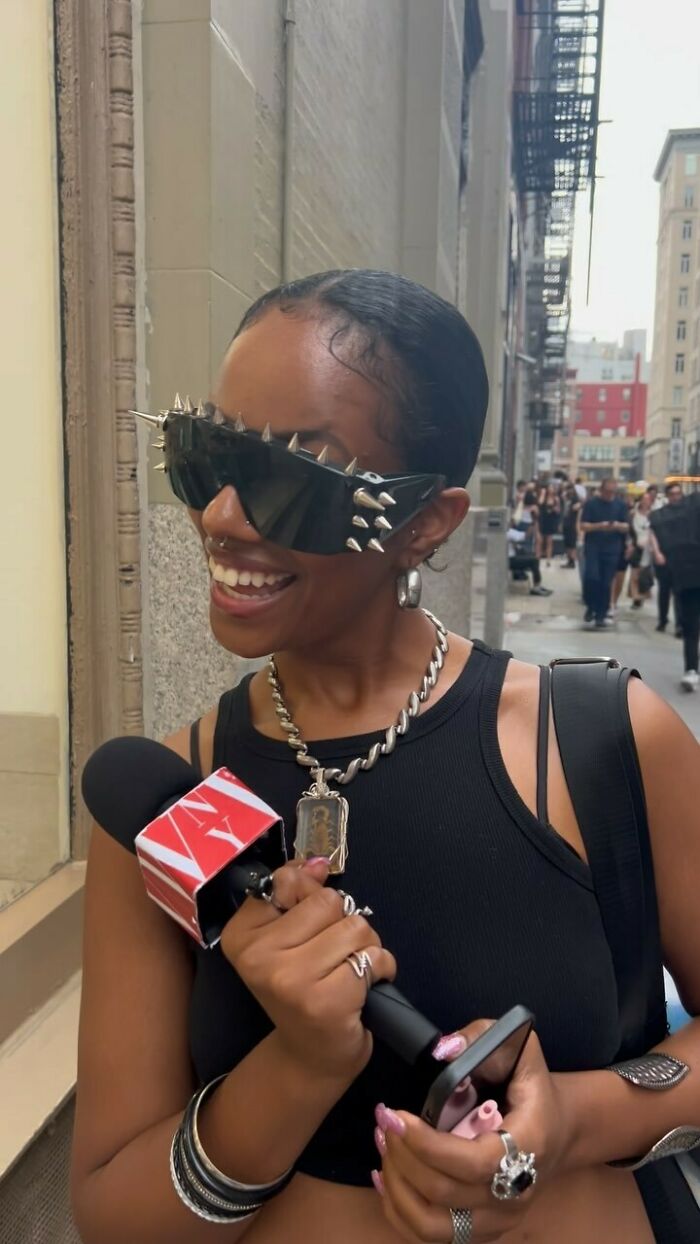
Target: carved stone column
97,238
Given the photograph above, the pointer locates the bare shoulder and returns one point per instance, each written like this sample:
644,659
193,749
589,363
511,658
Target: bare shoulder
180,741
667,749
668,756
520,690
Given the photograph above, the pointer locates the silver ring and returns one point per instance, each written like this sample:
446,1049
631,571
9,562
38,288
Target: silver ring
516,1171
462,1223
270,898
265,890
361,965
350,907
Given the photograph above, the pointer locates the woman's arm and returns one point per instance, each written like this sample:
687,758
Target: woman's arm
611,1118
135,1076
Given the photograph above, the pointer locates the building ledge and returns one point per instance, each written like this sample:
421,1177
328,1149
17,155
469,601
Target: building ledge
40,954
38,1067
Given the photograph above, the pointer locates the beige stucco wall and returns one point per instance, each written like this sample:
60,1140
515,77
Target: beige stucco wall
33,673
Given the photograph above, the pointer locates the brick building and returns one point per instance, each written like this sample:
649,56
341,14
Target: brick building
604,416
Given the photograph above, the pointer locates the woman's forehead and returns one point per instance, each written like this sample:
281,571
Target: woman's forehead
281,370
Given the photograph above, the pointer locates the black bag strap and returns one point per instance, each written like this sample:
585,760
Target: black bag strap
599,758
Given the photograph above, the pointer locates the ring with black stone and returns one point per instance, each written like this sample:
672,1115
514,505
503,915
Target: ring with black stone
516,1172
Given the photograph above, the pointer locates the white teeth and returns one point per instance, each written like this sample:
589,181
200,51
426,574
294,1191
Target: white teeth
242,578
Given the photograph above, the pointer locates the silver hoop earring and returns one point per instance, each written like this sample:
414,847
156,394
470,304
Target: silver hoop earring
409,585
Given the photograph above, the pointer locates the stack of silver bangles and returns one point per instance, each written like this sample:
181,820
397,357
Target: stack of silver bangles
201,1186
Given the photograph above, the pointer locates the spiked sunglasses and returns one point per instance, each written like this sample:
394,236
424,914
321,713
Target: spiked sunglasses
291,497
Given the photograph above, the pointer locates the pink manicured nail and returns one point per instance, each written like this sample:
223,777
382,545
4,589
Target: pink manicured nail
378,1181
389,1121
316,859
380,1140
449,1047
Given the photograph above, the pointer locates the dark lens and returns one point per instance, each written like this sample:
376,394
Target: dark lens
294,502
191,468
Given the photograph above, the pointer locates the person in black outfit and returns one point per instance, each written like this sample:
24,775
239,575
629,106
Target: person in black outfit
604,522
572,509
343,396
662,572
550,519
676,531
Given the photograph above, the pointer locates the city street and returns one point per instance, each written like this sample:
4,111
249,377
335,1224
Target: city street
539,628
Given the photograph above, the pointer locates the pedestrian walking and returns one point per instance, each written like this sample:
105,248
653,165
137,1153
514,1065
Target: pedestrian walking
641,573
572,508
550,520
605,525
662,571
677,530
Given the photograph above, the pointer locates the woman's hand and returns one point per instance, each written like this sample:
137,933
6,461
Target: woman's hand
426,1173
292,956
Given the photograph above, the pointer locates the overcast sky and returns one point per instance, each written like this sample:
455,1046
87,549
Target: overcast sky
650,84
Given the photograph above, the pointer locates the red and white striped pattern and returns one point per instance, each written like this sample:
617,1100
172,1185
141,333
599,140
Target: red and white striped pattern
185,847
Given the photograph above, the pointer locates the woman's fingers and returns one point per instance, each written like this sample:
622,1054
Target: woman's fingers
471,1162
330,947
297,880
410,1214
383,969
434,1186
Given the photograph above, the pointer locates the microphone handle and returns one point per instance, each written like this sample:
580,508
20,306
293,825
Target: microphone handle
394,1020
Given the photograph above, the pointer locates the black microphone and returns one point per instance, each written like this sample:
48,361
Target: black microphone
203,846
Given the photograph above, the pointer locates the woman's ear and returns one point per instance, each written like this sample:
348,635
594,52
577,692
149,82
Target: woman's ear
435,524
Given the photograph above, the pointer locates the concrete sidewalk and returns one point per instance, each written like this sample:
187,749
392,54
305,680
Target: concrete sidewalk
540,628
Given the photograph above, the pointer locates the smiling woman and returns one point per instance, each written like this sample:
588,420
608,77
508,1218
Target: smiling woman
328,466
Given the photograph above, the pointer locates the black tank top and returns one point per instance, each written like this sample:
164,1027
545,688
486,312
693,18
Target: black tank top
482,903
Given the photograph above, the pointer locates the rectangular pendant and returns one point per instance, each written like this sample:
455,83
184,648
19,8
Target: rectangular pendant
322,825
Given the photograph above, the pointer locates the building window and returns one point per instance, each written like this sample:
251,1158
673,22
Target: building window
607,373
687,229
691,165
601,416
677,395
680,364
680,330
685,263
579,394
625,416
683,296
602,395
675,428
626,394
689,196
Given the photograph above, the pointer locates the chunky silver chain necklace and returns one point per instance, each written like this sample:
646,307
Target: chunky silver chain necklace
322,813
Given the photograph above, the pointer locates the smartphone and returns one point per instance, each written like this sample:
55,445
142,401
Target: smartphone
481,1073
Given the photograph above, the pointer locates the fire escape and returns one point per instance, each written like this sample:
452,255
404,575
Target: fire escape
555,132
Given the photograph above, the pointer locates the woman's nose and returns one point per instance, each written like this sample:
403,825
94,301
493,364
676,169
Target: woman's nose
225,516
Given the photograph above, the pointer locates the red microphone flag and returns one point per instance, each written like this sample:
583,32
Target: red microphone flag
189,844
